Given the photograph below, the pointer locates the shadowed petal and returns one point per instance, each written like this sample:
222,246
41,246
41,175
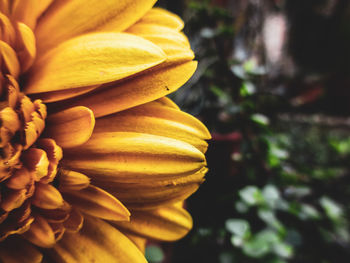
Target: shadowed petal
153,194
97,242
16,250
165,223
27,11
97,202
40,233
141,89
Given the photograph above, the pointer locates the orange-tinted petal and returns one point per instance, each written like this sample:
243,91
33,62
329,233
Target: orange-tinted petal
71,127
98,241
17,250
138,90
165,223
97,202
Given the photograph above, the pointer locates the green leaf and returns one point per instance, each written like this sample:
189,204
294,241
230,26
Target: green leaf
251,195
239,227
260,119
256,248
333,210
283,250
154,254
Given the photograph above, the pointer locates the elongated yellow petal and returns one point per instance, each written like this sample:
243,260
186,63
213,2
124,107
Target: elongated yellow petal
53,96
92,59
153,118
17,250
26,49
71,127
40,233
47,197
72,18
140,242
8,33
97,202
9,59
160,16
138,90
130,157
165,223
98,242
153,194
165,101
71,181
159,31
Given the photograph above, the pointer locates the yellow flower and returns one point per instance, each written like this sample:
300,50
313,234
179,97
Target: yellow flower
95,160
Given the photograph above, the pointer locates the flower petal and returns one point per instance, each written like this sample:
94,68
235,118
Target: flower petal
165,223
9,59
97,202
72,18
130,157
27,11
40,233
26,49
160,16
98,241
47,196
53,96
159,31
72,181
92,59
135,91
140,242
149,195
17,250
71,127
153,118
75,221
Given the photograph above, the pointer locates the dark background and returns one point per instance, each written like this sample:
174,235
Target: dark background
272,86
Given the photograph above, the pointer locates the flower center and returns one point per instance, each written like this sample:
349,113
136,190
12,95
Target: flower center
28,163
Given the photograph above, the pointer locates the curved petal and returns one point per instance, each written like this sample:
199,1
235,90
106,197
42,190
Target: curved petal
26,49
160,16
141,89
97,202
9,59
17,250
153,118
165,223
153,194
130,157
72,18
71,127
27,11
92,59
40,233
53,96
97,242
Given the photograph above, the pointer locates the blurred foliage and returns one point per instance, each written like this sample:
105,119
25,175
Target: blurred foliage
278,187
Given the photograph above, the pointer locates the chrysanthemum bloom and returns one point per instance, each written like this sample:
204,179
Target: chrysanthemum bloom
95,160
